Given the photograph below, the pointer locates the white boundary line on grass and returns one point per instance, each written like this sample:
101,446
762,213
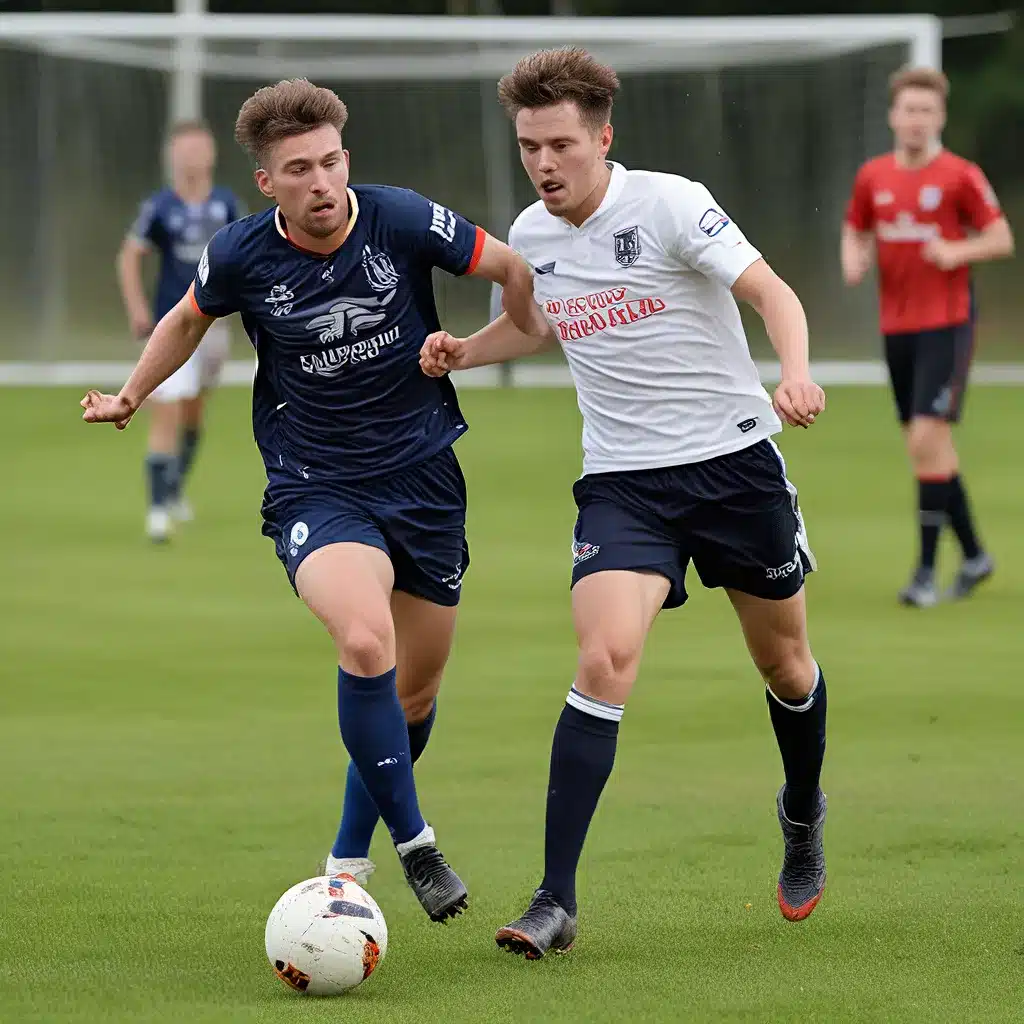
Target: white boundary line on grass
532,375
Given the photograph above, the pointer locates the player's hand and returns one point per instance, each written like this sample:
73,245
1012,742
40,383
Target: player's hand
142,325
942,253
856,266
441,353
799,401
100,408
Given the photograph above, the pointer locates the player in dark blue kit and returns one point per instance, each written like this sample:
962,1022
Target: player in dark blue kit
176,222
365,501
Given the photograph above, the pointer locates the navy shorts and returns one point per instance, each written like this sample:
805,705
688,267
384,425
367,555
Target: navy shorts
735,517
416,516
929,371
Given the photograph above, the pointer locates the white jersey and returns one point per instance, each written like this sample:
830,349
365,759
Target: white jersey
640,299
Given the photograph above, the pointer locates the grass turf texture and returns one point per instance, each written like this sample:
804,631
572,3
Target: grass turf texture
171,762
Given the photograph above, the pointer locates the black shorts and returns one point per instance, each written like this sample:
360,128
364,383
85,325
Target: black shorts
929,371
417,516
736,517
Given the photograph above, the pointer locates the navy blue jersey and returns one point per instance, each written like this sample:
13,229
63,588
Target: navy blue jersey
339,393
179,232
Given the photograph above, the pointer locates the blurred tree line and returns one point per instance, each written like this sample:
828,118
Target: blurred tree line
986,71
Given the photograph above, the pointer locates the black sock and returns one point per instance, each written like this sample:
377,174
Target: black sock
161,469
187,445
959,510
932,502
800,731
582,755
419,733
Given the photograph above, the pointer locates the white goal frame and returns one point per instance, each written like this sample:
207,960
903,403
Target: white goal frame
185,46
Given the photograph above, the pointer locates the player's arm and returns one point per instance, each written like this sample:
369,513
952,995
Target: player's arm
979,208
499,342
797,399
503,266
857,241
130,258
172,342
856,253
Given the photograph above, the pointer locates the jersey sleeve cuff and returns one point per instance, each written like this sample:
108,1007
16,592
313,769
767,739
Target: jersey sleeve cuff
197,307
478,250
745,257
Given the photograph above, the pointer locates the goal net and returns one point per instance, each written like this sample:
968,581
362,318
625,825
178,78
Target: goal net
774,115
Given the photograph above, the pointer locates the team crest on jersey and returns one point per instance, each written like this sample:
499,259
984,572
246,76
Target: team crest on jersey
627,246
282,298
930,197
380,271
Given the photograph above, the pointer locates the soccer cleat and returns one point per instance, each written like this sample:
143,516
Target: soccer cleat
802,879
972,572
440,891
182,511
546,925
920,592
158,524
360,868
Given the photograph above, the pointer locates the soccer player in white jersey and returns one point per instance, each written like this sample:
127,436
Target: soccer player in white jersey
638,274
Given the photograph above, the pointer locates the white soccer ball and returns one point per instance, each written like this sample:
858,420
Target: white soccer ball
326,935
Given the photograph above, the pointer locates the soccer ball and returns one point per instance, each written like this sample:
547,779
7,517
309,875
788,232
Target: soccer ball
326,935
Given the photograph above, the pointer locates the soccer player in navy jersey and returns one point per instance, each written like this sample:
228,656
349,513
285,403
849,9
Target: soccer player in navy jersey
176,222
365,501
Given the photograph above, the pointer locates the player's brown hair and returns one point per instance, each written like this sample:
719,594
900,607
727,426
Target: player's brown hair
917,78
553,76
292,107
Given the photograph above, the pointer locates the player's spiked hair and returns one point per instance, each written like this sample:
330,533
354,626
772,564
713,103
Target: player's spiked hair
917,78
553,76
292,107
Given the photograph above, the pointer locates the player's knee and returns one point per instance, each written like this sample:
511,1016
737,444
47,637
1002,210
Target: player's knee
606,666
928,440
417,705
364,649
789,671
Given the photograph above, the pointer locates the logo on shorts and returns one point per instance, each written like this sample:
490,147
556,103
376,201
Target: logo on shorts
782,571
454,582
299,536
583,550
930,197
943,404
627,246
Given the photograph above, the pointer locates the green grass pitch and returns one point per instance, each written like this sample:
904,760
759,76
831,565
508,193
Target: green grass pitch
171,764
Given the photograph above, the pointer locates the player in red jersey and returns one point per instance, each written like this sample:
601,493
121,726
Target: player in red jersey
926,215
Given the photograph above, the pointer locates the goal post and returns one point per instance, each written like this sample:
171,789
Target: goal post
773,114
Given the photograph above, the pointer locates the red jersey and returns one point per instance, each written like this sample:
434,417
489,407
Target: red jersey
906,207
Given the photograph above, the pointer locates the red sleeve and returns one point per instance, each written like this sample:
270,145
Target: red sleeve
978,202
860,211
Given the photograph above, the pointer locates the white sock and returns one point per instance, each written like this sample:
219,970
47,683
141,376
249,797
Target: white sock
425,838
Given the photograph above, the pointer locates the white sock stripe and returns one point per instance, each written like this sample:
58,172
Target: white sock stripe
811,697
595,707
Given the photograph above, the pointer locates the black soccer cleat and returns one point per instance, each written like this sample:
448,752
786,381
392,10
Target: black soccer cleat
802,879
972,572
545,926
440,891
